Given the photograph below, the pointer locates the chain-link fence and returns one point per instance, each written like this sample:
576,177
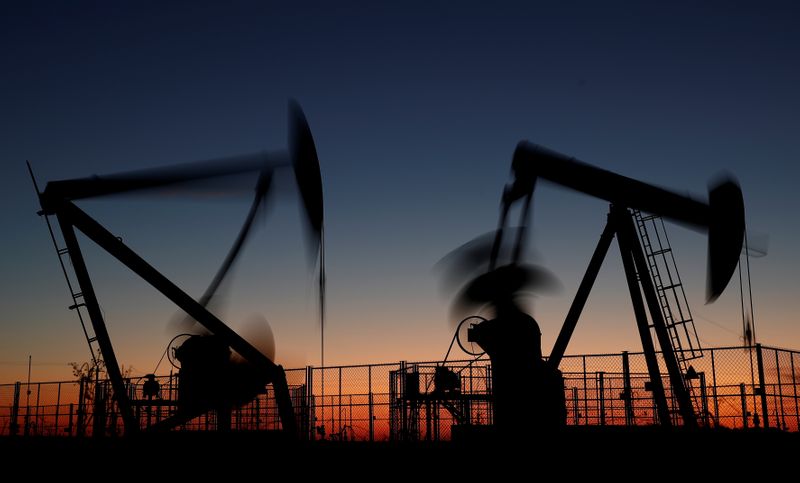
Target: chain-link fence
731,387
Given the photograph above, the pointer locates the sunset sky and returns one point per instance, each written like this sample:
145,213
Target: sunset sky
416,108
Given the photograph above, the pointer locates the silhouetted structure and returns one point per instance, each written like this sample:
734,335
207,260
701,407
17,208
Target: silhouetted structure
209,382
523,384
528,394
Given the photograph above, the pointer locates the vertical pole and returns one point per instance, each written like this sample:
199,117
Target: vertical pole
490,389
657,317
58,406
714,389
28,400
436,421
626,240
601,397
36,422
99,411
99,326
762,386
371,409
81,407
312,407
427,420
403,402
585,395
576,412
14,425
339,426
794,390
743,397
779,395
627,393
704,398
69,421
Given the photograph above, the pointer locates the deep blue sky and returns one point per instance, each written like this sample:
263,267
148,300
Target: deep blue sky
416,109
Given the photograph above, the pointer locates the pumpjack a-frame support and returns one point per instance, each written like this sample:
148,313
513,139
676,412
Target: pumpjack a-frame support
71,217
637,274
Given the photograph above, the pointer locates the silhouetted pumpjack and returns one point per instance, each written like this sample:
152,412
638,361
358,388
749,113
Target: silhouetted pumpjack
57,199
526,390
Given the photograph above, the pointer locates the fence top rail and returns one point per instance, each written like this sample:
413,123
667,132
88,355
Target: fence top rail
479,362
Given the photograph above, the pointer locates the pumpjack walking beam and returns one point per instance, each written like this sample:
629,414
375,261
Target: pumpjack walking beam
722,216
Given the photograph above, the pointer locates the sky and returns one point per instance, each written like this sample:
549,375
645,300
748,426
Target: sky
416,108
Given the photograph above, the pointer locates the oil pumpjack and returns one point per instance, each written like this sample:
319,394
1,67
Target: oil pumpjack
209,379
528,392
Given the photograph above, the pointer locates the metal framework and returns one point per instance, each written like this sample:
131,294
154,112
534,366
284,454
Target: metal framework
70,217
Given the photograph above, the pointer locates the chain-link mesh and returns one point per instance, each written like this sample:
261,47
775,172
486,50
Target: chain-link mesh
729,387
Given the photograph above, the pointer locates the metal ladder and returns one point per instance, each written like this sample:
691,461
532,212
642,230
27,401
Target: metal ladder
77,297
667,281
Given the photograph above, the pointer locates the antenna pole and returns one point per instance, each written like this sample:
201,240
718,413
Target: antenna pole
33,178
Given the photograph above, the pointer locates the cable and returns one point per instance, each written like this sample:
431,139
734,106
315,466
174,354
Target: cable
750,288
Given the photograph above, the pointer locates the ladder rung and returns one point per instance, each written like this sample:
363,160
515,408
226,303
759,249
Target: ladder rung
91,339
62,251
77,295
670,287
660,252
649,217
73,307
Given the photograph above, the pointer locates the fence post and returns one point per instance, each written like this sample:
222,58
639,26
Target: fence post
780,422
704,398
339,426
36,423
762,387
575,410
601,397
403,405
81,406
58,406
585,395
626,389
743,397
794,390
13,426
99,411
311,416
371,409
69,422
714,389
